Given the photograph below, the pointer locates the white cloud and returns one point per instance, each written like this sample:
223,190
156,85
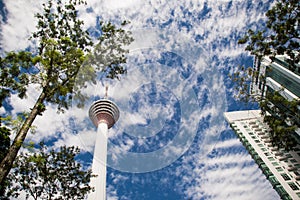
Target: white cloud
228,143
20,23
25,104
111,193
225,176
2,110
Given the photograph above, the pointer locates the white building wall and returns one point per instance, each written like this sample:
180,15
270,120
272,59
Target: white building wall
277,164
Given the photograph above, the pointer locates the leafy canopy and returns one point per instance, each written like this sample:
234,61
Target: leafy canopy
281,35
52,174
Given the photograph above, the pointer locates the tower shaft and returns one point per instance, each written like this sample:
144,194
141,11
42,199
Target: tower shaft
99,164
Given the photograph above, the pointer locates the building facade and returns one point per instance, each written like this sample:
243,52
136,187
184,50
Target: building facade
278,75
281,167
281,76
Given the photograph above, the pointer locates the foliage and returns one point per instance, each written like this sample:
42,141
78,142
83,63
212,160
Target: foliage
283,117
50,175
243,78
60,66
16,123
4,146
108,57
281,34
14,69
108,54
5,141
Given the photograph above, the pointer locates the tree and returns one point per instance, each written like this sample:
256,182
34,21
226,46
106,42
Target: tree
280,36
50,174
283,117
4,146
61,65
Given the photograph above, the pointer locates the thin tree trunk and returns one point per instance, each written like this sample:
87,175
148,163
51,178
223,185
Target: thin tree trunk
7,162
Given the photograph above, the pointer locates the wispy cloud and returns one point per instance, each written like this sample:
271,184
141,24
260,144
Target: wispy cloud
224,174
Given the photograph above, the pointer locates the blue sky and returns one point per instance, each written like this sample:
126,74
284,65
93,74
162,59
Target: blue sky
171,141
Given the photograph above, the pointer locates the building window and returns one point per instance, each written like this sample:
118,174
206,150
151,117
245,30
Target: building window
263,149
281,190
267,154
296,173
297,149
271,158
275,163
279,169
248,131
257,141
285,177
260,145
293,160
293,186
288,155
297,165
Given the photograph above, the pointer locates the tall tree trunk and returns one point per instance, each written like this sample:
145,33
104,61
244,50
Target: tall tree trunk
7,162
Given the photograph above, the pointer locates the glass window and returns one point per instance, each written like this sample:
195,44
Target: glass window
293,186
280,190
279,169
275,163
285,176
267,154
263,149
296,173
283,79
297,149
257,141
260,145
273,180
297,165
271,159
293,160
267,172
288,155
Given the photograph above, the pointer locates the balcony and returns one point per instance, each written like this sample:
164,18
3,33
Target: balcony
273,180
281,191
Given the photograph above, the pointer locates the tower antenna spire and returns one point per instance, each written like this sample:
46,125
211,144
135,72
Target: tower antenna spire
106,90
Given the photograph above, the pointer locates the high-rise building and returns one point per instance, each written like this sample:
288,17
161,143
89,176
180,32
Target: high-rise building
278,75
104,114
281,167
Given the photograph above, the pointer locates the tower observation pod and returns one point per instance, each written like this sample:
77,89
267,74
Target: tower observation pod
104,114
